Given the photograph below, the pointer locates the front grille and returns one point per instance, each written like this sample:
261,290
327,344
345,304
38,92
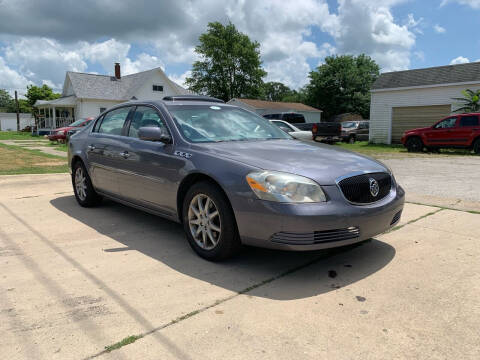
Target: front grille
396,217
356,189
316,237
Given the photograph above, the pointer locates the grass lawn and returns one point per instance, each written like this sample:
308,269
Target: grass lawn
17,135
383,150
58,146
17,160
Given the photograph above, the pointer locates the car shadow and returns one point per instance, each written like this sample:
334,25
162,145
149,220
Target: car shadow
164,241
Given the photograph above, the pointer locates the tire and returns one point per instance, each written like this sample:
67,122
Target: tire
351,139
414,144
210,244
84,193
476,147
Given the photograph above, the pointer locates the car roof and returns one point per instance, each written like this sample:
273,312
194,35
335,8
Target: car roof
176,102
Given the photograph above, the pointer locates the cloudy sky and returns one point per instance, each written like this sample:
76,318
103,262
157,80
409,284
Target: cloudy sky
41,39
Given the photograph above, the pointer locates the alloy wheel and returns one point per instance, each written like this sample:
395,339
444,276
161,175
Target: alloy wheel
204,221
81,183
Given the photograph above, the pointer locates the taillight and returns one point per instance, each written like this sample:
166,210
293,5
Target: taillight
314,128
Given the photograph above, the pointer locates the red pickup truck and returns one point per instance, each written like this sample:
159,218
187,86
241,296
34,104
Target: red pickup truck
455,131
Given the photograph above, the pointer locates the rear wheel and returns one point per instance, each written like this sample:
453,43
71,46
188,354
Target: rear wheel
82,187
209,222
476,147
414,144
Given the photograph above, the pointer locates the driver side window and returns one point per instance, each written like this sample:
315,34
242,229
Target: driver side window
447,123
113,121
145,116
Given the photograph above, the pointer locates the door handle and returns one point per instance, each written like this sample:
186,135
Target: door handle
124,154
91,147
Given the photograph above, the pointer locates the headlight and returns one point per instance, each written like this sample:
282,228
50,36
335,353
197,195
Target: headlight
284,187
61,132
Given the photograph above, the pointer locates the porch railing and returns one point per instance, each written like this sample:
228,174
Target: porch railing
47,123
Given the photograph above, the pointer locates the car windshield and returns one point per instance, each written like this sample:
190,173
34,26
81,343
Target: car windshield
77,123
216,123
349,124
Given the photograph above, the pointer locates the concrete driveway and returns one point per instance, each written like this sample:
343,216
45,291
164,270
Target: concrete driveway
74,280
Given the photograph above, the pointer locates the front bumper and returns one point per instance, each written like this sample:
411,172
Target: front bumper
316,226
55,137
326,138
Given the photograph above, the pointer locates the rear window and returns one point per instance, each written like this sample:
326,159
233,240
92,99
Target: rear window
294,118
471,120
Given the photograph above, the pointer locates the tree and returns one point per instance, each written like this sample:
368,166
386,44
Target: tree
229,64
7,103
296,96
342,84
5,100
43,92
471,101
275,91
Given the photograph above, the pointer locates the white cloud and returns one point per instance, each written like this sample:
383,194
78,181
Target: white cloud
475,4
376,34
439,29
180,79
43,59
39,48
420,55
111,51
10,79
459,60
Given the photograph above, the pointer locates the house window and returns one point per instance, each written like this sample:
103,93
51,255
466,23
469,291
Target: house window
157,87
102,110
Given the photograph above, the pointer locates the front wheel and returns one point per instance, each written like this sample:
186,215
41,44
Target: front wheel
209,222
82,187
414,144
476,147
351,140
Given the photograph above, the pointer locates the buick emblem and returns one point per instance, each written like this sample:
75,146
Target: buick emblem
374,188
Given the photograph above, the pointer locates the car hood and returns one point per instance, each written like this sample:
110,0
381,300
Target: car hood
66,128
418,129
322,163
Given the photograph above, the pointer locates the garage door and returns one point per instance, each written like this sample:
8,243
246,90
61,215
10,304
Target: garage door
411,117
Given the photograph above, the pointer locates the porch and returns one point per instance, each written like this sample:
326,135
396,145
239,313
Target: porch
54,114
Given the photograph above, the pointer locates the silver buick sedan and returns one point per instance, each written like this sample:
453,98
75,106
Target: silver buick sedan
231,177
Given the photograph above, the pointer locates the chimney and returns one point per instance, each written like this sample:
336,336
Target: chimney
117,71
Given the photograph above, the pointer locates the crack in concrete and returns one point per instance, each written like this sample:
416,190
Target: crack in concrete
220,301
444,207
329,252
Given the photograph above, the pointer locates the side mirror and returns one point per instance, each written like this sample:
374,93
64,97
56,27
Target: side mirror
153,133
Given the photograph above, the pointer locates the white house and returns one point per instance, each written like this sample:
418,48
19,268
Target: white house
262,107
410,99
87,95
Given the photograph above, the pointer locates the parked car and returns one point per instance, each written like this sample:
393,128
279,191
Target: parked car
230,177
455,131
293,130
60,134
355,131
327,132
292,118
324,132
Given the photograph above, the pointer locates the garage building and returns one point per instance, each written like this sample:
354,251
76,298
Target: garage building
262,107
403,100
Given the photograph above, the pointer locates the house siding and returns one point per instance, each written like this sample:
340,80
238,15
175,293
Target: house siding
87,108
146,91
382,103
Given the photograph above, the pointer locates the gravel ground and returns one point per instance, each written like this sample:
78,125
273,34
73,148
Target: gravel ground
451,178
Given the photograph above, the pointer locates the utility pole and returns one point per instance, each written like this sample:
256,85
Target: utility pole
18,110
